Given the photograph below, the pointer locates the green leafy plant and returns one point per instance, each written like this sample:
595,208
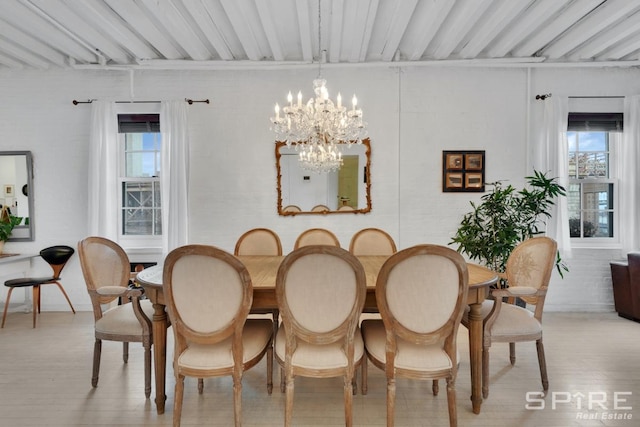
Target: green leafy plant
7,223
505,217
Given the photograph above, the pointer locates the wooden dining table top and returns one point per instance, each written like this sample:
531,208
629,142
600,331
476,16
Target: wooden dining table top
264,269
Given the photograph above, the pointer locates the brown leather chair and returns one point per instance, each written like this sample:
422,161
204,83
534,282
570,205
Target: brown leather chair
626,286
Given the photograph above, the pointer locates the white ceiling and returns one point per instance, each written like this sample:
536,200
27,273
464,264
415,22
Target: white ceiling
181,34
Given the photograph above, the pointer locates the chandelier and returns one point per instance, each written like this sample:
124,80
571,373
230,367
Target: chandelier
319,129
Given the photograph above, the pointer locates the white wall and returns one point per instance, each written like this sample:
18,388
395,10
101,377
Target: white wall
413,114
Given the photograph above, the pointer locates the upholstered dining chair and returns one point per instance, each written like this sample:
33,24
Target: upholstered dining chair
208,294
258,241
107,273
372,241
56,257
316,236
320,291
320,208
528,272
291,208
421,293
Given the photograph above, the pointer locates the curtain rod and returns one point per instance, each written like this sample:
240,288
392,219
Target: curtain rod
187,100
548,95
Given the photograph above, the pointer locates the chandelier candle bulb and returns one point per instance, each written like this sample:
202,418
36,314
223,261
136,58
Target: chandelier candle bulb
290,99
299,99
354,101
277,111
339,99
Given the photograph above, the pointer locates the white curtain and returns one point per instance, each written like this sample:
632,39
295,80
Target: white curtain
103,156
174,176
550,155
629,183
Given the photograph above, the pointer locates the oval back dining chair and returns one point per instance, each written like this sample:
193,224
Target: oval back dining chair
528,272
56,257
316,236
320,291
208,294
421,293
258,241
372,241
107,272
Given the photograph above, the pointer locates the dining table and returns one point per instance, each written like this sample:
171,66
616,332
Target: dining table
263,271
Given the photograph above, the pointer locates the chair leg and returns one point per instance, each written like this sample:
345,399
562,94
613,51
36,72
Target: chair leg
543,365
485,372
270,370
6,306
512,353
451,402
237,399
435,387
200,385
348,400
288,406
97,351
177,400
66,296
391,401
147,369
36,303
365,373
125,352
283,384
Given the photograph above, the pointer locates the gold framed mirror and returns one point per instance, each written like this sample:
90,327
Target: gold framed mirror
346,191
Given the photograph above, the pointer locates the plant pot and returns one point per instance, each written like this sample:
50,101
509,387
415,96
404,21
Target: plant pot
1,246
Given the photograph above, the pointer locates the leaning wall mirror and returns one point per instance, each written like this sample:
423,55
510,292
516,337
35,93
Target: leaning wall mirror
16,178
346,190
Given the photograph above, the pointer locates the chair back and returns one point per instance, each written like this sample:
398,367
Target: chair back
57,257
208,294
320,208
372,241
291,208
316,236
258,241
421,293
320,291
104,263
530,264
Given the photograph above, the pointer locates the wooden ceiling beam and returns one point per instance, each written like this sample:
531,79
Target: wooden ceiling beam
605,15
492,25
536,15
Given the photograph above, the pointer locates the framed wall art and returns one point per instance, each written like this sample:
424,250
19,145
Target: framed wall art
463,171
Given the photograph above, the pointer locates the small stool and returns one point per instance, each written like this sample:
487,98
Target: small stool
57,257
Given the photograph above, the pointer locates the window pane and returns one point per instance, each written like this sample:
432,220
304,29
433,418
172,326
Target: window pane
597,196
598,224
571,139
593,141
141,208
141,164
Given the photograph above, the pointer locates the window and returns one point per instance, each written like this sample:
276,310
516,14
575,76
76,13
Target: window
140,164
592,185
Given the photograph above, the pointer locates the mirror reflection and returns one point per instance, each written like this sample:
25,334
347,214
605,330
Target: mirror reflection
346,190
16,193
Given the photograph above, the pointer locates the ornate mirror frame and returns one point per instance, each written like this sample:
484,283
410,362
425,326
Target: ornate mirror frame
367,182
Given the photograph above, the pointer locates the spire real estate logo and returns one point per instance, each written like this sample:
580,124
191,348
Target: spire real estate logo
592,405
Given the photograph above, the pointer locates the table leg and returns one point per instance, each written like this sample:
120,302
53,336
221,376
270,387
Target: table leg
160,353
475,355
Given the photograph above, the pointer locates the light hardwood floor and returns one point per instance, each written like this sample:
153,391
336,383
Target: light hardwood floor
45,381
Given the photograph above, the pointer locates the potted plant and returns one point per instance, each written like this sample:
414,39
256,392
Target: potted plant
7,223
506,217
